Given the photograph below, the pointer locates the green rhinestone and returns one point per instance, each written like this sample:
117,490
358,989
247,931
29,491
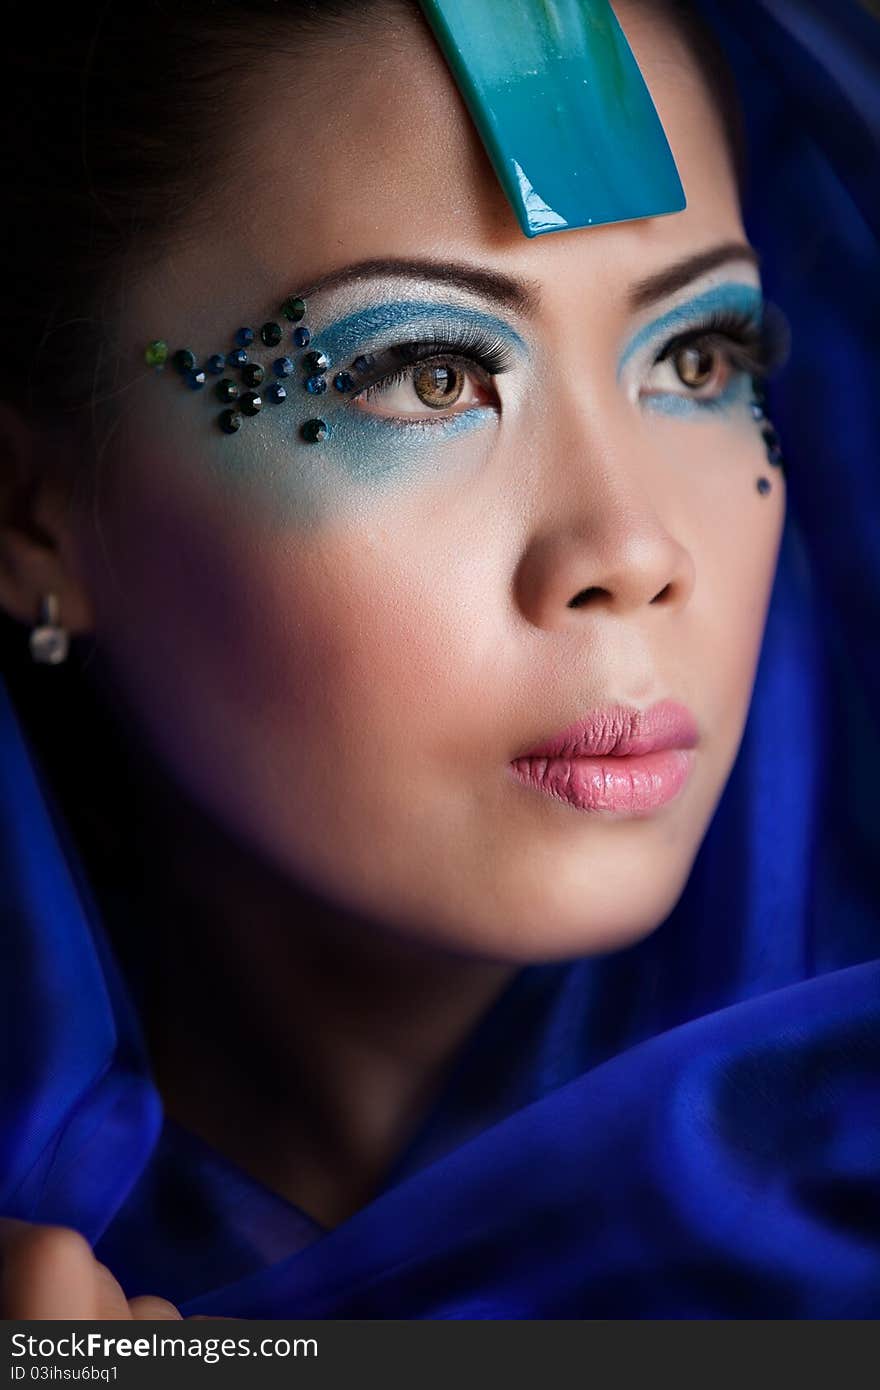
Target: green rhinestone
156,354
293,308
315,431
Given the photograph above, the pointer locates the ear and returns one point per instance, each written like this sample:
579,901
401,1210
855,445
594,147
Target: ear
38,539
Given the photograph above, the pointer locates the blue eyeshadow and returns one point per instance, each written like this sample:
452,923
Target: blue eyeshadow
731,296
342,339
737,392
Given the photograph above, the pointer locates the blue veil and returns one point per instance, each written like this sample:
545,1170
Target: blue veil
688,1128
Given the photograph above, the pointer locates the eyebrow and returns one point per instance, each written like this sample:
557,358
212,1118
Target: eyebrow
521,295
675,277
524,295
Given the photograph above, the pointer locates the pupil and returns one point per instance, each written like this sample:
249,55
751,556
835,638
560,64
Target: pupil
438,384
694,365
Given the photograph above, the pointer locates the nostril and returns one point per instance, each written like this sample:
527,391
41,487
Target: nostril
584,596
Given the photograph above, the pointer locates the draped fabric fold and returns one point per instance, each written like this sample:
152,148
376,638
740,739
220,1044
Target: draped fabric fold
686,1128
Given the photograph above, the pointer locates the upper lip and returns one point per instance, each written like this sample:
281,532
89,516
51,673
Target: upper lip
618,730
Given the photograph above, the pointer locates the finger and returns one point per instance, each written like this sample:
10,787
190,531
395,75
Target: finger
48,1272
110,1299
149,1308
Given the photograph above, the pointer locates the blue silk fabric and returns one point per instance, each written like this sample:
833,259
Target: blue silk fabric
688,1128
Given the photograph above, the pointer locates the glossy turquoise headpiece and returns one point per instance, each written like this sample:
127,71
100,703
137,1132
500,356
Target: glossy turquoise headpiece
562,109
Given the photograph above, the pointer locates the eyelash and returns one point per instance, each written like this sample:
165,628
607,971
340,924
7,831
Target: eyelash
469,347
752,346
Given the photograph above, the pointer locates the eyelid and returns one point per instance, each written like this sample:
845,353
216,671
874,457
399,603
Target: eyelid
733,297
753,346
741,333
421,354
360,330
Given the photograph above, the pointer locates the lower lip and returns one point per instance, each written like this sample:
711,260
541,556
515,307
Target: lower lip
628,785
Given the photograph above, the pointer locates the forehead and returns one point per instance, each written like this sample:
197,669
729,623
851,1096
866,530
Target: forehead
366,149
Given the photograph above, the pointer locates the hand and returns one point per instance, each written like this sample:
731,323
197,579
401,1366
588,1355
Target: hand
50,1272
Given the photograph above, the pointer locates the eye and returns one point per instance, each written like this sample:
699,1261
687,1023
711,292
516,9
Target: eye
439,388
702,365
695,364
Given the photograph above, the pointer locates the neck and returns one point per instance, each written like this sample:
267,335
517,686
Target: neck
300,1038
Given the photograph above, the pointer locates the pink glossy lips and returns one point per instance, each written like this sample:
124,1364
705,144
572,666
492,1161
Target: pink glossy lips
618,758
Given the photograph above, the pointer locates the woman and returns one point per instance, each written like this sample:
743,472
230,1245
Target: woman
328,995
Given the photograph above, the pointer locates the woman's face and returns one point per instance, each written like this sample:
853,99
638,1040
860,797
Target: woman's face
337,648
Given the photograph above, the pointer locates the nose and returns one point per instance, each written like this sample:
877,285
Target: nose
602,540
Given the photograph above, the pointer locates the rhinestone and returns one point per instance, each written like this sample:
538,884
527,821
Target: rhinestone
774,455
244,337
227,389
252,374
315,362
769,435
275,393
293,308
343,381
283,366
216,363
49,644
251,402
184,360
236,358
315,431
364,362
301,336
757,410
196,378
315,385
229,421
271,334
764,485
156,353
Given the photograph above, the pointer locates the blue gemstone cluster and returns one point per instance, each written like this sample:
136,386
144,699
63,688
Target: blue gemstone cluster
758,406
249,402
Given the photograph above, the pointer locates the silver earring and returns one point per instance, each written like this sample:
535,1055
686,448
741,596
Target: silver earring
49,640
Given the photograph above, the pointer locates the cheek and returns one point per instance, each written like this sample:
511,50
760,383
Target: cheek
735,533
276,665
270,476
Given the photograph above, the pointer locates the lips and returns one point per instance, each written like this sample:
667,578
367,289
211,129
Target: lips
617,759
621,731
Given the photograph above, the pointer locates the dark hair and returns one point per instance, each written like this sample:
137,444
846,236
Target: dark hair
706,50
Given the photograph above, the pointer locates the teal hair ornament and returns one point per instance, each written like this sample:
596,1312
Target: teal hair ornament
562,108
